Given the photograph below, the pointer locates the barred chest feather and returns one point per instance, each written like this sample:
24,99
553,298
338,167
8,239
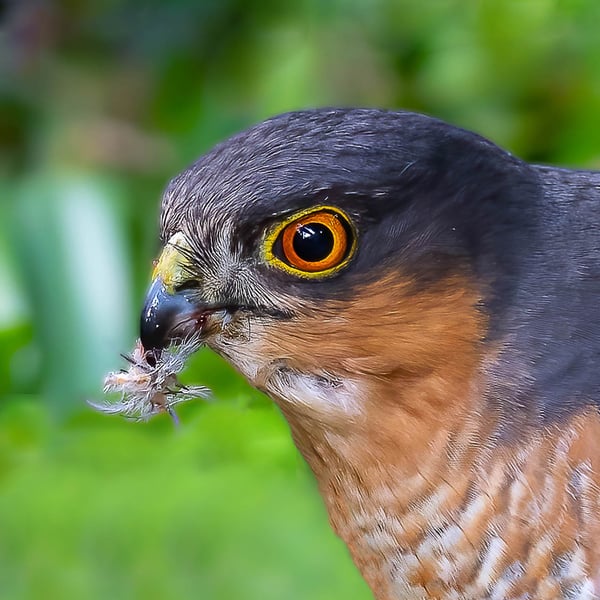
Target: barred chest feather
469,522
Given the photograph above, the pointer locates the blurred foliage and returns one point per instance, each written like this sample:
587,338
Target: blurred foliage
100,103
101,509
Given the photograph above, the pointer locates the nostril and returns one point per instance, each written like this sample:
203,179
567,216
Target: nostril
188,285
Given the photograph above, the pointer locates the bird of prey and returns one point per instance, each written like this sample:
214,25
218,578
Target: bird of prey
423,306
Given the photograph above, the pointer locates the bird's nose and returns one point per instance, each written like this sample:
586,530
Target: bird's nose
168,316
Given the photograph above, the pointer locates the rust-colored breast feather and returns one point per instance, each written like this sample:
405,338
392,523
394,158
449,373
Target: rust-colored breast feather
517,522
431,503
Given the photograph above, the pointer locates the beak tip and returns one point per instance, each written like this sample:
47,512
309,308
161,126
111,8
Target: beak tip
150,336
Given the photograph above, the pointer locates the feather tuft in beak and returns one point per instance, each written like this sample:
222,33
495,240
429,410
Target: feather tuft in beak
147,389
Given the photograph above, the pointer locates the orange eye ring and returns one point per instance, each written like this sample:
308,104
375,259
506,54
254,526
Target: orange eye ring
313,243
333,241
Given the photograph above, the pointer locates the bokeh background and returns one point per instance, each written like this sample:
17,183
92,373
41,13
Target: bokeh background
100,104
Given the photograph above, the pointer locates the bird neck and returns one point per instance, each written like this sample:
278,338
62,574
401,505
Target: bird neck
431,507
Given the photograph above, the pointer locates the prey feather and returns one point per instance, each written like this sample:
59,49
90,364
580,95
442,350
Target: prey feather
150,385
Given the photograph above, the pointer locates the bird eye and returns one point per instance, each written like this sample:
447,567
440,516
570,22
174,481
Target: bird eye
314,243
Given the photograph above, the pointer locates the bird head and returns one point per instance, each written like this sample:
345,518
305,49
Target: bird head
349,263
413,298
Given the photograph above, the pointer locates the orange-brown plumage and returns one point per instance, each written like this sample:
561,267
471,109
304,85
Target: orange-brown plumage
420,457
423,308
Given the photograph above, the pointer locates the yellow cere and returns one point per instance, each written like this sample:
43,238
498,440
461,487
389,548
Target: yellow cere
275,231
172,264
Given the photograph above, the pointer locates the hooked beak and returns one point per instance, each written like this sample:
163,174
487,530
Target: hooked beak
172,311
169,316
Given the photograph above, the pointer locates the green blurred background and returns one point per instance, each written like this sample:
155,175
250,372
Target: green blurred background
100,104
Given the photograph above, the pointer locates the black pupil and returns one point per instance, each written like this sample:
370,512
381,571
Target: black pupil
313,242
